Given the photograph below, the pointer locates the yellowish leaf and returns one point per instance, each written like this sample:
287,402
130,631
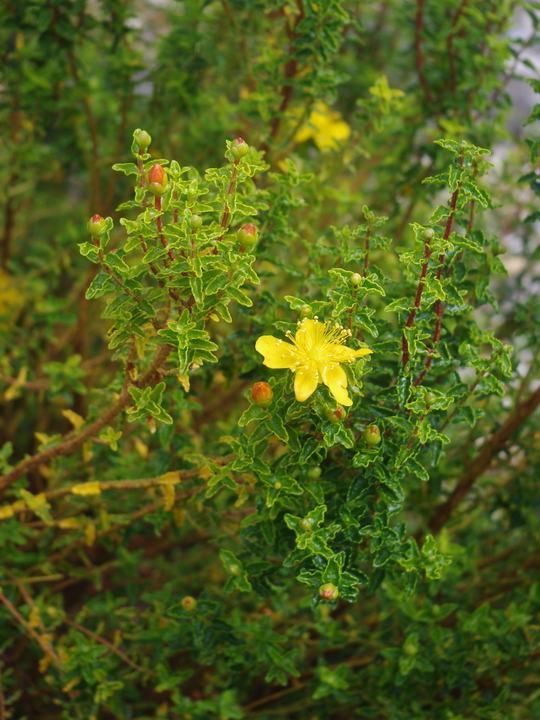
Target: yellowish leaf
88,488
76,420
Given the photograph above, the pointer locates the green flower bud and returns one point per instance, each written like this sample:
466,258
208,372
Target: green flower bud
143,139
428,234
195,222
247,235
430,398
329,591
356,279
277,485
306,524
96,226
239,148
335,416
314,472
189,603
372,435
305,310
262,394
157,180
234,569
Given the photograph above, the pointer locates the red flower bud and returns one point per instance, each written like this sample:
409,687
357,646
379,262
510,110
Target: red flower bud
262,394
96,225
247,235
239,148
329,591
157,180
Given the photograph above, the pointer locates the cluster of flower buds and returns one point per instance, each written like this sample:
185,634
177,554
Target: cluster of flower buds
157,180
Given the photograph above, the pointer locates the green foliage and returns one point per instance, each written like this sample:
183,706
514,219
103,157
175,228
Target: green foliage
373,559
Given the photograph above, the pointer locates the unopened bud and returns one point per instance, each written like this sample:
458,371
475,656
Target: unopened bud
428,234
262,394
307,524
239,148
305,310
430,398
142,138
96,225
356,279
195,222
335,416
329,591
189,603
314,472
247,235
372,435
157,180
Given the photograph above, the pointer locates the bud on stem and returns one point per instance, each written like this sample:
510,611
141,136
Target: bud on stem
262,394
157,180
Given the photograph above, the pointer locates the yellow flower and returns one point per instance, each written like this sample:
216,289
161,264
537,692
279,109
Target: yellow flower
314,356
326,127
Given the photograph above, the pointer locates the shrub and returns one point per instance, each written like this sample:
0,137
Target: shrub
269,445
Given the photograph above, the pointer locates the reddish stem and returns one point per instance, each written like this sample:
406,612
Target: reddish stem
417,302
366,257
419,24
226,209
159,226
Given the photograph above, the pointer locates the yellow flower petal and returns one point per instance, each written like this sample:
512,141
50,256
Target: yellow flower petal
306,379
342,353
277,353
336,380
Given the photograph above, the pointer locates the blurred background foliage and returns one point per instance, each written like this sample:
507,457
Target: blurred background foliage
354,93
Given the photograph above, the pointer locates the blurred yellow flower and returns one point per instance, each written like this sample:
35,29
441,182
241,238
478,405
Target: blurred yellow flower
326,127
314,356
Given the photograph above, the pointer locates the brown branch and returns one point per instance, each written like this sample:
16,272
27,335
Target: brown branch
291,70
439,307
72,444
419,58
2,699
108,645
483,460
45,646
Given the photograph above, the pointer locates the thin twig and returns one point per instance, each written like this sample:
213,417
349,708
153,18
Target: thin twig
108,645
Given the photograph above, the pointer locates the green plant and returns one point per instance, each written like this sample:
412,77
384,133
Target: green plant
292,468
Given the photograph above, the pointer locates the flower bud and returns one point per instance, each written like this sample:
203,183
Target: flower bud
96,225
157,180
247,235
372,435
356,279
189,603
329,591
239,148
428,234
195,222
305,310
306,524
314,472
143,139
262,394
335,416
430,399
